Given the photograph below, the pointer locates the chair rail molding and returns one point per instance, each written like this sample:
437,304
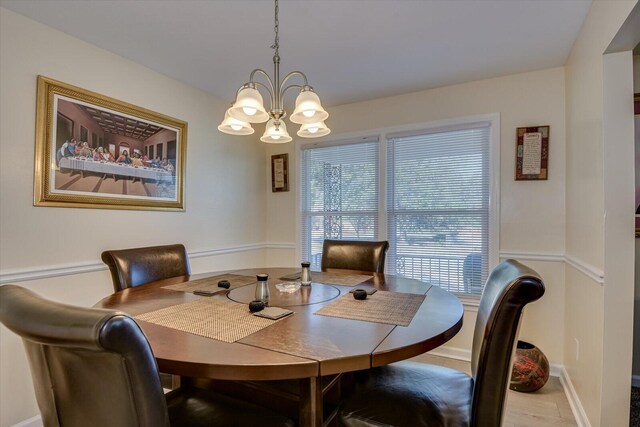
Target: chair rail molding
44,272
594,273
533,256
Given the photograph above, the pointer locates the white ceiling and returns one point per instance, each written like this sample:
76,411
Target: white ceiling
351,50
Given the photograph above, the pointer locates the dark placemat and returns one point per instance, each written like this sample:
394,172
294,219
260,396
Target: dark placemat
211,283
219,319
392,308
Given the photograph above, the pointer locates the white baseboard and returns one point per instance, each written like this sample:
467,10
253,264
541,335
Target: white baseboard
635,380
555,370
452,353
574,401
31,422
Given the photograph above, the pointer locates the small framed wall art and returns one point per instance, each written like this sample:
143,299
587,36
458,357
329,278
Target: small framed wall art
279,173
532,153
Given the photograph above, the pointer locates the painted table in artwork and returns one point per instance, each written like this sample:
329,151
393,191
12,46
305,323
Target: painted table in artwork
329,332
115,169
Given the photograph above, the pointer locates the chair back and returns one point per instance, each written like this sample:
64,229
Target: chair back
137,266
355,255
90,367
509,288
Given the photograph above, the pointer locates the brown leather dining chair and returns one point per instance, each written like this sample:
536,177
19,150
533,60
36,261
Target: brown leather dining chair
137,266
418,394
354,255
94,367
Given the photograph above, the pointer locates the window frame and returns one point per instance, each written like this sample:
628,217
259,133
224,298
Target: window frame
492,119
301,239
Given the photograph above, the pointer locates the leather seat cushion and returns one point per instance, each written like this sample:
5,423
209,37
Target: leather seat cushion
409,394
195,408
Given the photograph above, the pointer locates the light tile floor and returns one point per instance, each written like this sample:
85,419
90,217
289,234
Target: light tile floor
546,407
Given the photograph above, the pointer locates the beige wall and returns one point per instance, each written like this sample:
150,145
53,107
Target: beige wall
532,213
636,311
587,312
225,191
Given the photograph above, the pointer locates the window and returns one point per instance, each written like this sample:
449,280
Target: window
438,207
339,195
435,203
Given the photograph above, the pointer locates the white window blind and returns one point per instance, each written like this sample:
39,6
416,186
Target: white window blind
339,195
438,206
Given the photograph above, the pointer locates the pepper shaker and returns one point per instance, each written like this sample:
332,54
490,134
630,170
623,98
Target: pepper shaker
305,276
262,288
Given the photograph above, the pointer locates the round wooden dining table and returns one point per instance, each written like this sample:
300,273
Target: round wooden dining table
301,346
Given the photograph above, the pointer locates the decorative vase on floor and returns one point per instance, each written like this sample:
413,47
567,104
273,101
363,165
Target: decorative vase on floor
530,368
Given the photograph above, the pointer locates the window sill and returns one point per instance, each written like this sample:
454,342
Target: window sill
470,303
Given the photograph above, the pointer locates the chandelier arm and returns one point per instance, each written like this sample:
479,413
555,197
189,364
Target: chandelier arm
289,87
294,73
272,91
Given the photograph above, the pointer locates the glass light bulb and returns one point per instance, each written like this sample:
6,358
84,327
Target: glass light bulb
236,127
275,136
249,111
312,130
309,113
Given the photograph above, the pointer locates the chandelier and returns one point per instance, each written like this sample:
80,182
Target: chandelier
249,107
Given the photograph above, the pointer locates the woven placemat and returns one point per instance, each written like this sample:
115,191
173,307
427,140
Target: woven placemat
211,283
339,278
392,308
218,319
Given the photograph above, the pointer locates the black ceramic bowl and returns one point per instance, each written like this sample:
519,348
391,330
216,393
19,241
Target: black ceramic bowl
360,294
255,306
224,284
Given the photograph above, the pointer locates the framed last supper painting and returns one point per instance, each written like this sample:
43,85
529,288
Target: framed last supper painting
93,151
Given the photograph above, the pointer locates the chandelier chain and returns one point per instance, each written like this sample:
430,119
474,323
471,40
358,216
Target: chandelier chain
276,45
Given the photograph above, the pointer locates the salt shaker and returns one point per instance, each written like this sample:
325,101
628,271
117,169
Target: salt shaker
262,288
305,276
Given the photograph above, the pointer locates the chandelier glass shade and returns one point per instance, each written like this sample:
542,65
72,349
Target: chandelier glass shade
234,126
248,106
275,134
313,130
308,109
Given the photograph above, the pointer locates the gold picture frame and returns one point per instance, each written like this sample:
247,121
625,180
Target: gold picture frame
130,158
